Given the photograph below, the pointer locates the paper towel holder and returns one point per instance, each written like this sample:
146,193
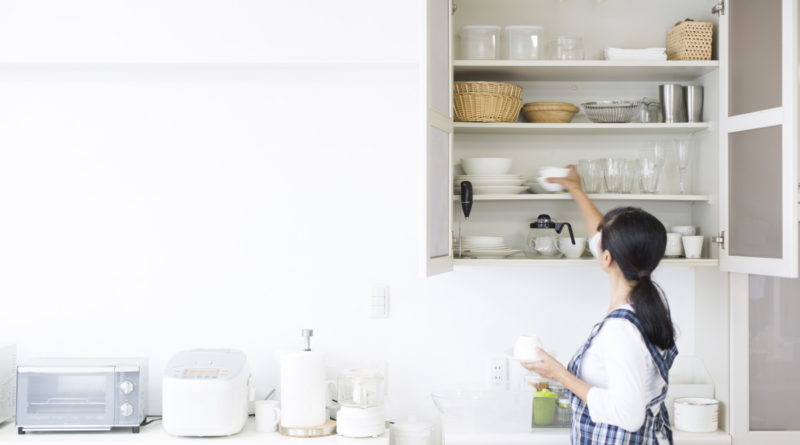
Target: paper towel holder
307,334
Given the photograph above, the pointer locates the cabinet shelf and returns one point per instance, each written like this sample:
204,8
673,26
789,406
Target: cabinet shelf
583,70
593,196
578,128
533,262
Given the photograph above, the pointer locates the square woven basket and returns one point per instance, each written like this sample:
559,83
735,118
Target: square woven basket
690,40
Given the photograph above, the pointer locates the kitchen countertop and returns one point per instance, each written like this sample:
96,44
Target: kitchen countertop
155,434
455,434
561,436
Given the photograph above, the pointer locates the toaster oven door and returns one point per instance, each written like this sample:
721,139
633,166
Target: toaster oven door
66,397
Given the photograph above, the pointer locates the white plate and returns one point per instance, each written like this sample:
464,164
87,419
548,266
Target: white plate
485,177
492,182
482,239
496,190
500,253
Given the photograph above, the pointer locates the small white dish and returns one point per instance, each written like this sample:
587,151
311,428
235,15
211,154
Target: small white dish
499,190
554,172
486,166
488,254
482,239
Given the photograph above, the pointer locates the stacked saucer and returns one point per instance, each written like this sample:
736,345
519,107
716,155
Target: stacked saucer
492,184
483,247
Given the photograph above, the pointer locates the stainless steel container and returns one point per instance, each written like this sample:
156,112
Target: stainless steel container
694,103
673,103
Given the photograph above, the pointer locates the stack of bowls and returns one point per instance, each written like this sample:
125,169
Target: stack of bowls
489,176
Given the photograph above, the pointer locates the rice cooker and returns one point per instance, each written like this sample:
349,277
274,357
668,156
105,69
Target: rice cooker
207,392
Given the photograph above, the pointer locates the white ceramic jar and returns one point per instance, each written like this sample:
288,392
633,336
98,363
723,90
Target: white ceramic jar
696,415
523,42
480,42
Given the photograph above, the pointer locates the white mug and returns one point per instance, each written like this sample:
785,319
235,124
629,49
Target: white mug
693,245
268,415
527,347
565,246
674,246
544,245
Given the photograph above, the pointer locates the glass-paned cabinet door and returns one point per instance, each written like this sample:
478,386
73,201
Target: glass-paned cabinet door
758,137
439,140
765,360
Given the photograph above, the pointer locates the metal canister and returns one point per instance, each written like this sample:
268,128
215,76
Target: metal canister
673,103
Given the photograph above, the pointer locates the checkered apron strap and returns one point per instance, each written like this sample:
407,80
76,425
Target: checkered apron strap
586,432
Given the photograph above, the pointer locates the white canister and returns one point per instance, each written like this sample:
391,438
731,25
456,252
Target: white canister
696,415
410,432
523,42
480,42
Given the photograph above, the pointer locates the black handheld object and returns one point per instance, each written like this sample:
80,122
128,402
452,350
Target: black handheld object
466,198
544,222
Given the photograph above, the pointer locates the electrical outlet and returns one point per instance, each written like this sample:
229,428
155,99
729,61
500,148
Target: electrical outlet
497,372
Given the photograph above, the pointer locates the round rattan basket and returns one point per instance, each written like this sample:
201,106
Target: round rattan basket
486,101
549,112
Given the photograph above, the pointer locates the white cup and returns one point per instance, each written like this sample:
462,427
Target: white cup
684,230
544,245
527,347
674,247
268,415
693,246
565,246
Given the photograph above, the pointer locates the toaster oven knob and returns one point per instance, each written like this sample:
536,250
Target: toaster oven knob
126,387
126,409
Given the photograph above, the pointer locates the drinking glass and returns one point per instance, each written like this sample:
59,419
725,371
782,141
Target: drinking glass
628,175
614,173
682,151
594,176
649,171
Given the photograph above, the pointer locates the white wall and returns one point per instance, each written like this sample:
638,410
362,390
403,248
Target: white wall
149,208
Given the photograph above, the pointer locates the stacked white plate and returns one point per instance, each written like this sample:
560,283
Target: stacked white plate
483,247
492,184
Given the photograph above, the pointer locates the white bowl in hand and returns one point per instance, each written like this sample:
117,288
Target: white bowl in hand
549,186
554,172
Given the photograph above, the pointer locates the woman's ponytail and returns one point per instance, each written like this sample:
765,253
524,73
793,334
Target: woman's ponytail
636,240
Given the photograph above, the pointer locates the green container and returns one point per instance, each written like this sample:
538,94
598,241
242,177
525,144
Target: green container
544,407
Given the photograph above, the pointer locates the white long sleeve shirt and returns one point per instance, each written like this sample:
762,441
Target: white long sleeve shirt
622,374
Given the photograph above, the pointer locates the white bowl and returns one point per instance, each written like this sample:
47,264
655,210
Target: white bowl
553,172
486,166
492,182
549,186
684,230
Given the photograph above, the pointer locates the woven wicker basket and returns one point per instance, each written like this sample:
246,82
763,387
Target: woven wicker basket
690,40
486,107
506,88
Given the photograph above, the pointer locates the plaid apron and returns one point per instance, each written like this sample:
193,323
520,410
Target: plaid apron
586,432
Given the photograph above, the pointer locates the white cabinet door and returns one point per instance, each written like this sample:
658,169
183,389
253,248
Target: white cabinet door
758,137
439,130
765,360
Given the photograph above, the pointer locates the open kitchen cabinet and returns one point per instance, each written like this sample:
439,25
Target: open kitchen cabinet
768,247
744,163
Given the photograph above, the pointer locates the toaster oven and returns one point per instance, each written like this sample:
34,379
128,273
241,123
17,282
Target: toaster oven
81,394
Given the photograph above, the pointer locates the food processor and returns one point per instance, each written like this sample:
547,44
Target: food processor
361,403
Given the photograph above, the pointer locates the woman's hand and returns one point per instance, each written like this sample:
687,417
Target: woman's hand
571,182
548,367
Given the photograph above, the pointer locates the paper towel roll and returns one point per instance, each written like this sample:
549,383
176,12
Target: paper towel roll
303,389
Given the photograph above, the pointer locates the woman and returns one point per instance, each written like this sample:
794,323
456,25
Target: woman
619,378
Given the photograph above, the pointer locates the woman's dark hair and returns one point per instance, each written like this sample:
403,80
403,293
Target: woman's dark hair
636,240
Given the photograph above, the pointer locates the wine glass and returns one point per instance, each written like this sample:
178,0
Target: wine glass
682,149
